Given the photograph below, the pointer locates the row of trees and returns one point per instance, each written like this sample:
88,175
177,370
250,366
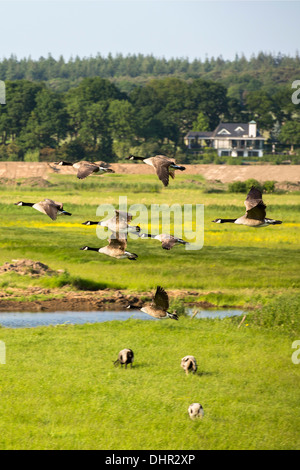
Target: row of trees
98,120
238,75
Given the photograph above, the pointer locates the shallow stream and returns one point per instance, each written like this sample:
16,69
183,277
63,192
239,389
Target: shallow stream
29,319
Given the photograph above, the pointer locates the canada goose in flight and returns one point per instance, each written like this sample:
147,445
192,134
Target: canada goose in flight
159,306
118,223
85,169
188,363
167,241
47,206
195,410
116,248
125,356
255,212
164,166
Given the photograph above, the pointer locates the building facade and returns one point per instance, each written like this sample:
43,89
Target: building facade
229,139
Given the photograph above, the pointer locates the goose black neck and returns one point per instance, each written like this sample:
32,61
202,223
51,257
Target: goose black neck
93,249
29,204
137,158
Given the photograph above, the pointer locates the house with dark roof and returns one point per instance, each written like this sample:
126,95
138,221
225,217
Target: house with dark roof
229,139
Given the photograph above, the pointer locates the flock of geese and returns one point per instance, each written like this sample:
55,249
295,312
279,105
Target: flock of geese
188,364
119,225
255,215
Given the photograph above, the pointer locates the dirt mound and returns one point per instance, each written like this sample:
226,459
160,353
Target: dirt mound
26,267
32,182
36,182
287,186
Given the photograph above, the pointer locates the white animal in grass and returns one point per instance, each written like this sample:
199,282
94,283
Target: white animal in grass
196,411
188,363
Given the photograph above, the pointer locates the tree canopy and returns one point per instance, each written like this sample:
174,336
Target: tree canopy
99,120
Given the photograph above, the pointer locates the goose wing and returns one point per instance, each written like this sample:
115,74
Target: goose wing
59,205
163,157
161,299
172,172
119,221
258,212
255,207
48,207
85,169
123,215
168,243
254,197
162,169
117,242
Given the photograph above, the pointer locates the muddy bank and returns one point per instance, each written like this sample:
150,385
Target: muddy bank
59,300
36,299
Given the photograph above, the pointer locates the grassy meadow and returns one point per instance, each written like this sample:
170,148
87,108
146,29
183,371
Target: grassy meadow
236,266
59,388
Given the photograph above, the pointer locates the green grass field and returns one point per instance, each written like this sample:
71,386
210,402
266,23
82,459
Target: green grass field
237,265
59,388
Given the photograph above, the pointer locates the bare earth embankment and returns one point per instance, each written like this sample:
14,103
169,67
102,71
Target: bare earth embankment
67,300
223,173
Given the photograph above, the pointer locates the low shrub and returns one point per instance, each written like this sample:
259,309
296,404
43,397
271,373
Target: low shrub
244,186
237,187
269,186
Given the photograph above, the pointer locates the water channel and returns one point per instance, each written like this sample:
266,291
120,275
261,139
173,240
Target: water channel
29,319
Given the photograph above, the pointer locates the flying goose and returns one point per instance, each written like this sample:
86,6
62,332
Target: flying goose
118,223
188,363
47,206
159,306
164,166
116,248
167,241
195,410
85,169
125,356
255,212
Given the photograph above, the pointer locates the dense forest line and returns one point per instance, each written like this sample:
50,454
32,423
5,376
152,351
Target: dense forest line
238,75
103,108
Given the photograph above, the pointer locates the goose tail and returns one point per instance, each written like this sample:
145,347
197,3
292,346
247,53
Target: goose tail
172,315
132,256
273,222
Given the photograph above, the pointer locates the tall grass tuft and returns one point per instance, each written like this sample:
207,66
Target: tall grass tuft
178,306
282,313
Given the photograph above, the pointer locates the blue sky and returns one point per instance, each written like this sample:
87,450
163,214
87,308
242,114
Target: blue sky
164,28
